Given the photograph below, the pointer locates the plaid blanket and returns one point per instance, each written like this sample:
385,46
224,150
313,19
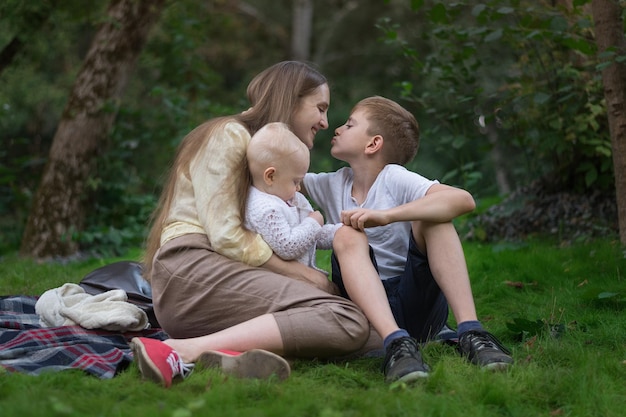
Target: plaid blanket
27,347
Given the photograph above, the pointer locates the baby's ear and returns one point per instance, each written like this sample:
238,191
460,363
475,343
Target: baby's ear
268,175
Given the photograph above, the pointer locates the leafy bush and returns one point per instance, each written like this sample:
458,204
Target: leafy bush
509,93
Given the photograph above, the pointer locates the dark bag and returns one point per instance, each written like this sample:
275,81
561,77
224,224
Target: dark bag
127,276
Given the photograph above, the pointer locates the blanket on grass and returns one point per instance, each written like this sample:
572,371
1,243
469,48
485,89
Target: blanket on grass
27,347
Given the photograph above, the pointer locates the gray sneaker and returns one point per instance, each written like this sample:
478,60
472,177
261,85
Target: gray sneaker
255,363
403,361
483,349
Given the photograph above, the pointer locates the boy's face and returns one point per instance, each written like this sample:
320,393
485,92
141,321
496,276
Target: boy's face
351,139
288,176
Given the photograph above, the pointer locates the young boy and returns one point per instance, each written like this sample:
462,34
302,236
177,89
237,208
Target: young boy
278,161
415,248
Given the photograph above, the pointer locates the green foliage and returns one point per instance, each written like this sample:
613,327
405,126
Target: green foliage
196,64
33,92
513,75
13,195
176,87
181,82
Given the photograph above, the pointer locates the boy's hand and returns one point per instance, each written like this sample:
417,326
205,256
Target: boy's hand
362,218
317,216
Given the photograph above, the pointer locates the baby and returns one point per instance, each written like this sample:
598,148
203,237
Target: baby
275,209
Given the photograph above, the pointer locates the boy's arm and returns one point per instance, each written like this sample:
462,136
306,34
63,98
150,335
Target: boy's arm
441,204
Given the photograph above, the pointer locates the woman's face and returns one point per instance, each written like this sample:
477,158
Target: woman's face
311,115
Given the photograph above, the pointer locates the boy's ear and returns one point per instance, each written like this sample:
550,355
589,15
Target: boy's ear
374,145
268,175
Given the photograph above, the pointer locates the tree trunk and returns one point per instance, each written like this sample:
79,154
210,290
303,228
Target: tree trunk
58,209
499,161
609,33
302,22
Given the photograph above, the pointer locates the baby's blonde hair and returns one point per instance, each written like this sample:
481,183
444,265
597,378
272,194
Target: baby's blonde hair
274,145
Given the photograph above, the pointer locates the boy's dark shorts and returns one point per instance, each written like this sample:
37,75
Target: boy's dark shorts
416,300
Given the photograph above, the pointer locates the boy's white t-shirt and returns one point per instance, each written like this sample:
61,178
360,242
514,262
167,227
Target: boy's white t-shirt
394,186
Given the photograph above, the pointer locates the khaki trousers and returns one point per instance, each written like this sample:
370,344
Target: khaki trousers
197,291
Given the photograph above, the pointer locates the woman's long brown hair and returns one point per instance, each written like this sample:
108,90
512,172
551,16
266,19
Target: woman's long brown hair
274,95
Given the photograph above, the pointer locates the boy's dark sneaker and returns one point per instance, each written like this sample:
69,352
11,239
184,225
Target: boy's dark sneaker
448,336
483,349
403,361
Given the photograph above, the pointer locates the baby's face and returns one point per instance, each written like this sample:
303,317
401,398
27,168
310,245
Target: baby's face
288,177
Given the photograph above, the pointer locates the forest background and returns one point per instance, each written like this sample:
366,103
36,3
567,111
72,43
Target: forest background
509,95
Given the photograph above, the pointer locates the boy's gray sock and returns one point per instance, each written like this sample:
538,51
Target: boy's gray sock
468,325
393,336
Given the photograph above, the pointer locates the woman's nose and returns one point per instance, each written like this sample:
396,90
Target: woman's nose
324,122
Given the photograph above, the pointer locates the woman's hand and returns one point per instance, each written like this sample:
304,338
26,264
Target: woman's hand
314,277
301,272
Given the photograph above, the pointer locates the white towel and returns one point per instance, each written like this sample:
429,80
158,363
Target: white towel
70,305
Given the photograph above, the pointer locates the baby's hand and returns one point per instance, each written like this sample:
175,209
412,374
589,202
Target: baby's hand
317,216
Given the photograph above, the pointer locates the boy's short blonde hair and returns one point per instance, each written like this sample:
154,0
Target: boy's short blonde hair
395,124
275,144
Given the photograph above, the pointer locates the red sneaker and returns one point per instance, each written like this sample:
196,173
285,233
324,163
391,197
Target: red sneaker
157,361
256,363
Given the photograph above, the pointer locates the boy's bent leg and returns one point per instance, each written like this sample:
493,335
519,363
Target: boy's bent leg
447,262
418,303
442,246
360,280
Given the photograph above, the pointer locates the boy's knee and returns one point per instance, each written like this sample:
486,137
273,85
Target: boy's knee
426,232
347,238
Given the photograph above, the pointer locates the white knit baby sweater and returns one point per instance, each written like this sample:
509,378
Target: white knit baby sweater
286,227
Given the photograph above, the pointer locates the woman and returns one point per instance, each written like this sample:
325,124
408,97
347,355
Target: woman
219,288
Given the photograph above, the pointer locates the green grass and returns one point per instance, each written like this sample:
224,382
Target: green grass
560,309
